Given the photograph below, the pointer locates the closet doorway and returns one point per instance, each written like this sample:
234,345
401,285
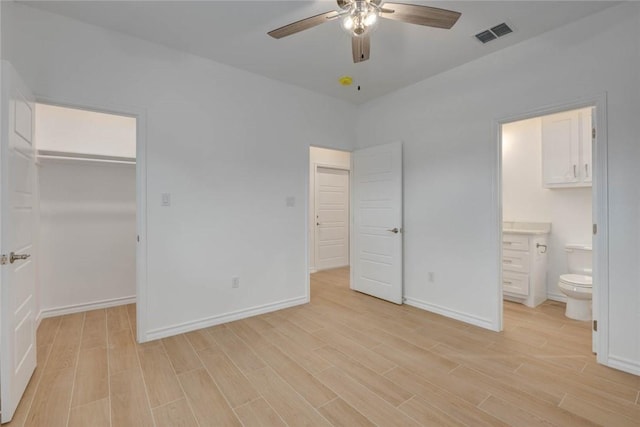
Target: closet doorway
87,227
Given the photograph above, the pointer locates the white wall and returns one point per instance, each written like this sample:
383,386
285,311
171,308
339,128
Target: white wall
87,234
447,124
88,132
525,200
328,158
229,146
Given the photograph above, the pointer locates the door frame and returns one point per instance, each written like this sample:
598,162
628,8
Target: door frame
140,114
600,211
315,209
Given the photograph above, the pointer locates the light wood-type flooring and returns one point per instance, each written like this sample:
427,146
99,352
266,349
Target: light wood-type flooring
345,359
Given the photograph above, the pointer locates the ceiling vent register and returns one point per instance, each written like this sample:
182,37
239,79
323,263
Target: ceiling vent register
493,33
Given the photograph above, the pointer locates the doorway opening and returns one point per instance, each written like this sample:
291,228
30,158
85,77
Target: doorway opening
87,196
355,219
551,191
329,210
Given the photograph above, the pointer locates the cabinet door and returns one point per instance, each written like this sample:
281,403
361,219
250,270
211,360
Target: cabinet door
560,148
586,142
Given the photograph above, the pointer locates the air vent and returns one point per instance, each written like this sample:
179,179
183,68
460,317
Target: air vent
493,33
501,30
486,36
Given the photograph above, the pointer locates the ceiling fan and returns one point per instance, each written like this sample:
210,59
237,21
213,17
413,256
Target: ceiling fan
359,16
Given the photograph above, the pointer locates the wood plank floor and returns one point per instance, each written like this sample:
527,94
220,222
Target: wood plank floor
345,359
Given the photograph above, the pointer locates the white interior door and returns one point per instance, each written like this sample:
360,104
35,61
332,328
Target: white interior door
589,161
17,215
376,260
332,218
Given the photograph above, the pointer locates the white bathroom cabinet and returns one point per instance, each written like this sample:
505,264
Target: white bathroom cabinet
524,267
566,149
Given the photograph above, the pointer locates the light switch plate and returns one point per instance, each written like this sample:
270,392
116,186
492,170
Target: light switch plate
290,201
166,199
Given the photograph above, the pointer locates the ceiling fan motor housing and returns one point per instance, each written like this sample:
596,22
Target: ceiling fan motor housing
359,16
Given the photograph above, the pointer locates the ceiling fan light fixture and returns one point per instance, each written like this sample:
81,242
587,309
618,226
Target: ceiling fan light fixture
347,23
371,18
360,19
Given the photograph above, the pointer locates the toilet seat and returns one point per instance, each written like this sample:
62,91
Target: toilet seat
577,280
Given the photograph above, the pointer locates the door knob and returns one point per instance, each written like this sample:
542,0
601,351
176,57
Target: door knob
394,230
13,257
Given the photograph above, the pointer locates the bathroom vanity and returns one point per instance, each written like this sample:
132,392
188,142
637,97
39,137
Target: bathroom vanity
524,262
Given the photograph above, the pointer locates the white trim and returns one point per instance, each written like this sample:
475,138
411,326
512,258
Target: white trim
331,268
331,166
496,196
206,322
557,297
87,306
140,114
601,239
600,211
307,211
453,314
626,365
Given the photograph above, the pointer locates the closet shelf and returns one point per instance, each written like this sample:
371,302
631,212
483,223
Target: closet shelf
61,155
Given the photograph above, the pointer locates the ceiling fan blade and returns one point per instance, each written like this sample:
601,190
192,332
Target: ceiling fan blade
361,47
420,15
303,24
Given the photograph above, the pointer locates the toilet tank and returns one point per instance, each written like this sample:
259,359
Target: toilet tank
579,259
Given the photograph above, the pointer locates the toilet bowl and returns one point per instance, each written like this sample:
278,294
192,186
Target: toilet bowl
578,289
577,285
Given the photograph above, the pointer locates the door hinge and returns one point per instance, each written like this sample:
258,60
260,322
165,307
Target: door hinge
595,228
593,133
3,259
138,238
595,325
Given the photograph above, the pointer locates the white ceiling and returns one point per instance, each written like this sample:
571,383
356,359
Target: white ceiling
235,33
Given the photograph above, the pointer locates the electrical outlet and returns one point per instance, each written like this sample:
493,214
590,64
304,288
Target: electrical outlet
235,282
431,276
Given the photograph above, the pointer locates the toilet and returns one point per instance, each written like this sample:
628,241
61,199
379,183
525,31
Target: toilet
577,284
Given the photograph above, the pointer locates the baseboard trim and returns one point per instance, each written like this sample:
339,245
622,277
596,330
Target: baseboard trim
77,308
557,297
316,270
206,322
453,314
630,366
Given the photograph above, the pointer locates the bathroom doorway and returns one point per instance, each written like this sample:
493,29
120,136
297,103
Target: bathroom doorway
552,198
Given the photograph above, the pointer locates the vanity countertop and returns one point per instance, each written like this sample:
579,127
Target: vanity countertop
531,228
523,231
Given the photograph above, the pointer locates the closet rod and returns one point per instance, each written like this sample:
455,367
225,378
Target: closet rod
48,154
